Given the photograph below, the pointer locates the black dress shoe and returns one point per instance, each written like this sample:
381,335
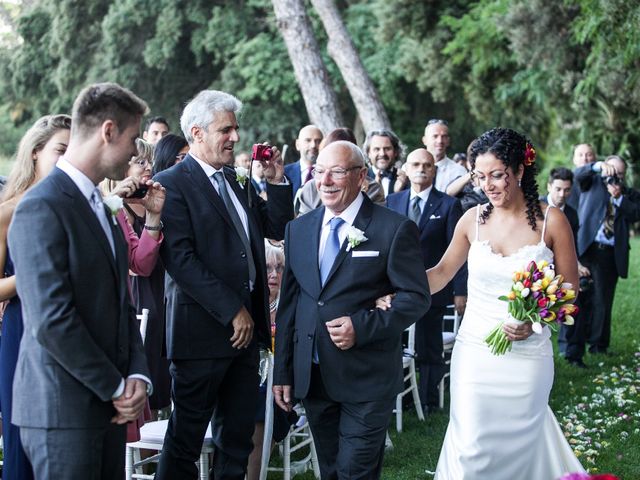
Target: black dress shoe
576,362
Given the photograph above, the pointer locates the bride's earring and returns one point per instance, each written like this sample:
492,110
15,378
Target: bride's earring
519,182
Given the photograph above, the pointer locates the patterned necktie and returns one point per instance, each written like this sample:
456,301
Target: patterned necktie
237,223
98,208
414,211
609,220
331,248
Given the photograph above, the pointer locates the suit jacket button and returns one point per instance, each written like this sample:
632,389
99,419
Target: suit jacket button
243,255
321,303
309,336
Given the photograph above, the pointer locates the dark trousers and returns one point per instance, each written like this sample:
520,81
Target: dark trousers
349,437
76,453
602,264
223,391
574,336
429,360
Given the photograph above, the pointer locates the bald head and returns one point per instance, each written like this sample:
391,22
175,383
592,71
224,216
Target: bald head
421,169
618,163
308,144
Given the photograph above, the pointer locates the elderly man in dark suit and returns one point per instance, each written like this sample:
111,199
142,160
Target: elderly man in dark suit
217,299
436,215
334,349
607,209
81,372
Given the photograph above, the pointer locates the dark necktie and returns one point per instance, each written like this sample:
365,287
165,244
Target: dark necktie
414,211
331,248
308,176
237,223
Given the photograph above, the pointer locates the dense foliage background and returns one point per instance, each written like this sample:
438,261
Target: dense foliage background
563,72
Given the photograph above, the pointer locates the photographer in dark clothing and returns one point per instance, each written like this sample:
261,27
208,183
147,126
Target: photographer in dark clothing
607,209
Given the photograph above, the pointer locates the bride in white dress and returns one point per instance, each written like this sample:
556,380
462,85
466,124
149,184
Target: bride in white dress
501,427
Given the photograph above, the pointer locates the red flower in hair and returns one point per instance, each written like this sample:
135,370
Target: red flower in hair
529,155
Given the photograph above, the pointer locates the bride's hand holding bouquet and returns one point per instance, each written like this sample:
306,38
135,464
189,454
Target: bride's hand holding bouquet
538,296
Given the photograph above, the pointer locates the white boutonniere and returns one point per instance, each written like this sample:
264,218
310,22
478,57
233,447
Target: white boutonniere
355,237
114,204
241,175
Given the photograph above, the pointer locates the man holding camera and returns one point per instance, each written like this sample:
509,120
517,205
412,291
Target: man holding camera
217,295
606,210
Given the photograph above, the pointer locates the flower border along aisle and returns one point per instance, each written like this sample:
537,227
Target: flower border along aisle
538,296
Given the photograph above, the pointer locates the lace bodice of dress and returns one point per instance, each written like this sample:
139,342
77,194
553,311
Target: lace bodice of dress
490,276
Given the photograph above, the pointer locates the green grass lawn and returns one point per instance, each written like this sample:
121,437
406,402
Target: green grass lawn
598,405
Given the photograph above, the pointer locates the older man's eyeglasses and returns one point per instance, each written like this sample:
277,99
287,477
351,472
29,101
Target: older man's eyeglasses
274,269
437,121
336,173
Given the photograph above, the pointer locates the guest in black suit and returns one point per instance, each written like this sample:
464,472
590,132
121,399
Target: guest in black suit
82,373
334,349
607,210
217,301
583,154
436,215
570,338
384,150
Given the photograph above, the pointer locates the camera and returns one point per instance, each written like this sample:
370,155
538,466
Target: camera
585,284
140,192
261,152
612,180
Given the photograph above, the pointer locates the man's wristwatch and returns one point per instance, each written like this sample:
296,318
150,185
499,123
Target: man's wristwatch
154,228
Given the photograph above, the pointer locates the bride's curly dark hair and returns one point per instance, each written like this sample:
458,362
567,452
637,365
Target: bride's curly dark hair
509,147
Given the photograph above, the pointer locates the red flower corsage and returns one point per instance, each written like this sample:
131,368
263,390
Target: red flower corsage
529,155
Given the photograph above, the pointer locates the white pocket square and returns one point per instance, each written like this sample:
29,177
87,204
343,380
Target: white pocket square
433,217
364,253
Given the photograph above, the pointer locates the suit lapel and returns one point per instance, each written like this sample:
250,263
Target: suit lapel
203,185
81,205
361,222
433,202
122,256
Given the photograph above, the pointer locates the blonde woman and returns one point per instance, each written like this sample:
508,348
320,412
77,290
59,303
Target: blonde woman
37,154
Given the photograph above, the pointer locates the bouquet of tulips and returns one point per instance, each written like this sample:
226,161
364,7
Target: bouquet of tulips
538,296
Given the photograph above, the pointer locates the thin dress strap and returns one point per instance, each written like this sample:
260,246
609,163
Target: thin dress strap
544,224
478,223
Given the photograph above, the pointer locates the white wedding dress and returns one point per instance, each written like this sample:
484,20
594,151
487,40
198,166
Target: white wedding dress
501,427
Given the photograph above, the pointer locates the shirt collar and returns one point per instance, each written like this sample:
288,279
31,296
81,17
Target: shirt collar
84,183
550,202
423,194
208,169
348,215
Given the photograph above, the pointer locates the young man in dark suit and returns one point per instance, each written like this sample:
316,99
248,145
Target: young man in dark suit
334,349
81,372
217,300
436,215
570,338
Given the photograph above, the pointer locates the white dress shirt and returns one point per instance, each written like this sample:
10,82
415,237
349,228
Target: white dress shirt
384,181
447,172
348,215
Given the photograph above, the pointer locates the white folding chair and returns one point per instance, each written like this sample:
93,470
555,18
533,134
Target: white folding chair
298,438
448,341
409,369
152,438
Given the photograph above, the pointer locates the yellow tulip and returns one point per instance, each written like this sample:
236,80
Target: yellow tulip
552,289
511,295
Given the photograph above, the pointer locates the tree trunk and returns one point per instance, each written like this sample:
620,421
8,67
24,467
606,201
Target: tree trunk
310,71
343,51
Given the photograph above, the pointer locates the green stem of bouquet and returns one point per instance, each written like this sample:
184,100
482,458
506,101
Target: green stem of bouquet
498,341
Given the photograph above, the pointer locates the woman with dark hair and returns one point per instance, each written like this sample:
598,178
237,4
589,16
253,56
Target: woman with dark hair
169,150
501,426
37,154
